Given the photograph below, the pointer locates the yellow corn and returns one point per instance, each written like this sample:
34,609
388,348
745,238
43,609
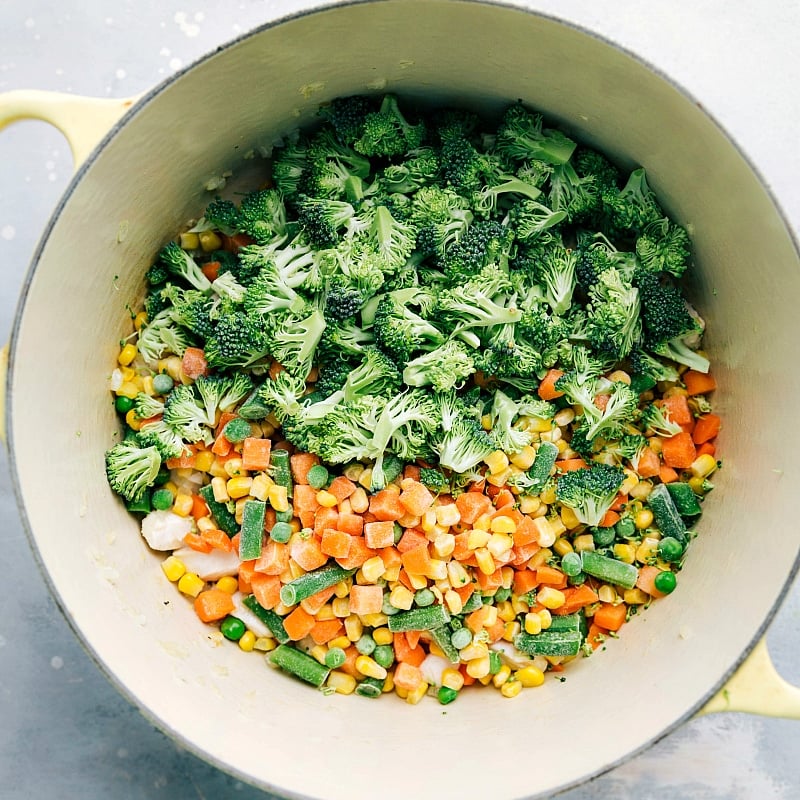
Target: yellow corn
499,478
326,499
382,636
474,651
128,389
191,584
539,425
147,385
414,696
219,486
631,480
182,505
401,598
550,597
544,530
503,524
519,604
278,497
447,515
499,544
452,679
511,630
365,478
643,519
189,241
260,487
485,561
139,320
548,495
530,676
353,628
341,682
234,468
218,470
127,354
342,589
703,465
456,574
228,584
248,641
173,568
641,490
417,581
359,502
372,569
479,667
437,571
635,597
607,594
318,653
511,688
325,613
647,550
478,538
505,611
370,668
374,620
265,644
583,542
203,461
134,423
443,545
533,623
239,487
562,546
453,601
523,459
501,676
340,641
209,241
625,552
529,504
497,462
545,617
569,518
482,523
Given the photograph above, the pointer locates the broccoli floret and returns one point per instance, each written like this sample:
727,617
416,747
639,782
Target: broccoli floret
462,164
228,287
442,369
613,325
262,215
589,162
130,469
221,393
631,209
399,331
344,340
656,418
289,165
281,272
626,448
377,375
617,414
333,373
589,492
342,302
580,388
238,340
345,433
556,274
322,219
530,219
146,406
353,262
542,330
441,216
162,335
346,115
507,359
483,243
651,369
664,246
159,435
523,137
295,340
282,394
578,196
433,479
191,309
596,255
223,215
487,200
324,146
421,168
393,239
186,415
530,406
386,132
182,265
157,275
671,329
503,414
463,445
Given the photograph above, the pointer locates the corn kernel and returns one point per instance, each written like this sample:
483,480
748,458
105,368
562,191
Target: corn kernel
278,497
557,525
342,589
501,676
548,494
134,423
437,571
562,546
191,584
182,505
530,676
583,543
392,574
648,549
474,651
533,623
359,502
372,569
625,552
501,478
228,584
550,597
238,487
452,679
265,644
173,568
479,667
545,617
485,561
539,425
524,459
218,470
326,499
497,462
457,574
443,545
499,544
703,465
247,641
607,594
189,241
519,604
382,636
641,490
505,611
478,538
417,581
453,601
127,354
209,241
370,668
341,682
414,696
340,641
635,597
643,519
483,523
529,504
204,524
401,598
544,530
447,515
569,518
325,613
503,524
511,630
511,688
365,478
203,461
260,486
234,468
353,628
318,653
374,620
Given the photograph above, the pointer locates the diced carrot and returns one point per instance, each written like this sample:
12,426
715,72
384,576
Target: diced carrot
266,588
298,624
275,369
404,578
417,561
472,505
706,428
411,471
213,604
379,534
390,557
306,517
416,499
601,401
525,580
411,538
478,618
359,553
197,542
407,676
366,599
199,507
619,502
335,543
221,446
235,539
413,637
186,460
504,498
307,553
698,382
576,598
570,464
326,518
301,463
462,551
526,532
596,635
678,451
667,474
236,242
489,583
610,617
274,558
468,679
219,540
211,270
270,518
386,505
314,603
551,576
647,581
194,363
325,630
255,453
351,523
341,487
524,553
496,630
547,387
224,418
406,654
246,572
707,448
304,499
610,518
648,463
465,592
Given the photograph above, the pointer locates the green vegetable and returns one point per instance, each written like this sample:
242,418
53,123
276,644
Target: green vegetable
272,620
162,383
281,471
684,498
318,476
162,499
609,569
419,619
670,549
666,515
237,430
281,532
232,628
589,492
549,643
131,469
226,521
335,657
446,695
569,622
384,655
665,582
370,687
365,645
424,597
299,664
251,537
313,582
123,404
461,638
443,639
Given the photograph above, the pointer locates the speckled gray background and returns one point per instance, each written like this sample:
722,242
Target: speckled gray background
64,731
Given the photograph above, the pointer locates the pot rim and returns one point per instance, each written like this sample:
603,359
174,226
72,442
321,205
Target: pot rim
311,8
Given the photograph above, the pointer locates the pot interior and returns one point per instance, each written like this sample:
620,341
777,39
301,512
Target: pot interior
150,177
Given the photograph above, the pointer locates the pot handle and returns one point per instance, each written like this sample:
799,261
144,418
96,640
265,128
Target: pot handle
83,121
757,688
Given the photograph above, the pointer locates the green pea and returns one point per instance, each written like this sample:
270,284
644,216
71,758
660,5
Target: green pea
603,537
665,582
571,564
626,528
366,645
232,628
424,598
387,608
461,638
317,476
162,499
281,532
446,695
237,430
670,549
335,657
123,404
162,383
384,655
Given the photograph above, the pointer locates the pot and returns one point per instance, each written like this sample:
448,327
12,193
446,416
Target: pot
149,174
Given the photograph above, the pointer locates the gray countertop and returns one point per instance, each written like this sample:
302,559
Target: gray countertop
64,731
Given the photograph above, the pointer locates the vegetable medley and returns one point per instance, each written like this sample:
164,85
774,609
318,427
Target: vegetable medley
428,409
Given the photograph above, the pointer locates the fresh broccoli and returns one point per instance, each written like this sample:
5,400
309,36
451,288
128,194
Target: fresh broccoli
400,332
332,179
191,309
650,370
580,389
664,246
503,414
443,368
616,416
556,274
324,146
344,434
262,215
146,406
295,340
613,325
522,137
631,209
157,275
578,196
228,287
223,215
531,218
671,329
182,265
508,359
162,335
354,262
441,217
393,239
322,219
589,492
483,243
542,331
656,418
531,406
221,393
289,165
386,132
626,448
159,435
462,165
131,469
589,162
342,302
282,394
186,415
281,272
433,479
344,340
463,445
377,375
238,340
346,116
596,255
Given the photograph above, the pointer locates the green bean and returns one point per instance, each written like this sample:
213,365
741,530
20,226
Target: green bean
419,619
303,666
313,582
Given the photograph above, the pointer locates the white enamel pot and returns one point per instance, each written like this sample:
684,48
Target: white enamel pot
148,175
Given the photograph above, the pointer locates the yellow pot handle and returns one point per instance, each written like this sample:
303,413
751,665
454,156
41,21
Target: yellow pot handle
83,121
757,688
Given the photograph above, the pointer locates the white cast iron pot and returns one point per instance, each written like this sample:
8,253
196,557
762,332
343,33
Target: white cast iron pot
147,177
